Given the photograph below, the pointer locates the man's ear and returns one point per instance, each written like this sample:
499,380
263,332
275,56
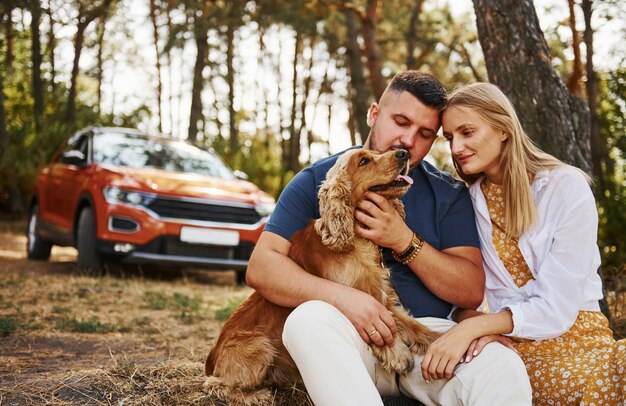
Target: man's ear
372,114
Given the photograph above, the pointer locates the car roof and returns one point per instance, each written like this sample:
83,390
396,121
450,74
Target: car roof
125,130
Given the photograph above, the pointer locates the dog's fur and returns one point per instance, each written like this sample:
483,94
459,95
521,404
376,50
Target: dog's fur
249,355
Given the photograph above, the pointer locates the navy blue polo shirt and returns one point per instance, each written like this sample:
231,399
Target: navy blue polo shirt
438,207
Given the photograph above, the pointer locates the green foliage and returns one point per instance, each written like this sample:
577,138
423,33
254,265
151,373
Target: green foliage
155,300
90,326
446,42
29,150
61,310
612,216
188,309
8,326
224,313
259,157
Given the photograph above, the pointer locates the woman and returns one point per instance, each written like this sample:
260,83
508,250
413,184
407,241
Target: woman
537,222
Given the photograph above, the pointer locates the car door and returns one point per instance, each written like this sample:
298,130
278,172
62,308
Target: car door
65,182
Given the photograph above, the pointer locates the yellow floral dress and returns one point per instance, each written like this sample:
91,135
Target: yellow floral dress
584,366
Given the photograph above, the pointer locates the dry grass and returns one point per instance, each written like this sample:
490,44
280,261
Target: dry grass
128,383
120,339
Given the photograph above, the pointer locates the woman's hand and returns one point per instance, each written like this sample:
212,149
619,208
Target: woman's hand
445,353
477,345
465,341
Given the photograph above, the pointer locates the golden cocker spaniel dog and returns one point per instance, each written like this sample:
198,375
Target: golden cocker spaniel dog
249,356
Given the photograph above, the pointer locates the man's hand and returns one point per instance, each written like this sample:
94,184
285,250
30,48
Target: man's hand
371,319
383,224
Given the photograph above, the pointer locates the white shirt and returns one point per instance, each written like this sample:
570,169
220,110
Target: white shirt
561,251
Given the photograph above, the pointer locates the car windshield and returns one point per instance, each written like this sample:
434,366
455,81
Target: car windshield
136,151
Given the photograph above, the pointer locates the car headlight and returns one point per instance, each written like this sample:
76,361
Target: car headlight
265,209
116,195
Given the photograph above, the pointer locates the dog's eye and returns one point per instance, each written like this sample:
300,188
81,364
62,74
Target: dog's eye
363,161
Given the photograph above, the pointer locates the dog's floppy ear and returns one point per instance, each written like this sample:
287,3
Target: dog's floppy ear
336,223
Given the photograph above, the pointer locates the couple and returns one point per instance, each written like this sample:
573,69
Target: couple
534,219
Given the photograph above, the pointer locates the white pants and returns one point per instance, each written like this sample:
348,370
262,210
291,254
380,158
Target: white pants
338,368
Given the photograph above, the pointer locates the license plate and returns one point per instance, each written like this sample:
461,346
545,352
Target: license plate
206,236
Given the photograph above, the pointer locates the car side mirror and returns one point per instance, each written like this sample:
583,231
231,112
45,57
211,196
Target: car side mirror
74,157
241,175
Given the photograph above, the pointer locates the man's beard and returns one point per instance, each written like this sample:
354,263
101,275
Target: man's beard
374,145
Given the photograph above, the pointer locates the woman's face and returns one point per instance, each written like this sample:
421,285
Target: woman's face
475,145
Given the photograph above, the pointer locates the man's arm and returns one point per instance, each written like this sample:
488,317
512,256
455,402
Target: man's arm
454,274
281,281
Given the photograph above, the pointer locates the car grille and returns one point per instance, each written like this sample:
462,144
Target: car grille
194,210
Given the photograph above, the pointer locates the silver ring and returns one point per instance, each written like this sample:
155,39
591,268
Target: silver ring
373,332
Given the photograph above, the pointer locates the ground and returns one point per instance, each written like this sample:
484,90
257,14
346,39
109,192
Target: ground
132,337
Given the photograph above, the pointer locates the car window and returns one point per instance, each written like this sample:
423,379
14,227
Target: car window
136,151
76,143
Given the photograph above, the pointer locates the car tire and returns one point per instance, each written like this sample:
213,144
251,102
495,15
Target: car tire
35,246
240,277
89,259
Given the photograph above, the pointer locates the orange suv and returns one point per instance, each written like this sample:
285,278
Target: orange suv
117,194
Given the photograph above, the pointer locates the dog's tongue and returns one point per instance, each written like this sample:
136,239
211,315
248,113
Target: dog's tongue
405,178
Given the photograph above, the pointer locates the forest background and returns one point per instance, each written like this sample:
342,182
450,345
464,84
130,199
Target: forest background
273,84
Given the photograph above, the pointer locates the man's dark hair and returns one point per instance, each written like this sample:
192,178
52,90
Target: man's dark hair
423,86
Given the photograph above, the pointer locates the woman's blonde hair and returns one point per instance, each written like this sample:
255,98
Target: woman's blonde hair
520,159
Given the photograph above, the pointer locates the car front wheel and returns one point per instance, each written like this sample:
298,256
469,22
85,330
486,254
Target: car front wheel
35,246
89,259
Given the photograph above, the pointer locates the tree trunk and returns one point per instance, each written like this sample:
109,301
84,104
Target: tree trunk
230,81
71,98
202,46
51,46
368,24
261,105
324,91
215,115
574,84
173,130
9,36
411,33
468,61
155,29
602,162
4,135
100,60
519,62
599,152
294,134
84,19
304,103
278,66
351,120
360,97
37,82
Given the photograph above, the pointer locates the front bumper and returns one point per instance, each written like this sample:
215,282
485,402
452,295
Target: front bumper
157,240
142,258
169,250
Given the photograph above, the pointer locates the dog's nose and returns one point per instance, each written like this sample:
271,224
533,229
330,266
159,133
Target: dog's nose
402,154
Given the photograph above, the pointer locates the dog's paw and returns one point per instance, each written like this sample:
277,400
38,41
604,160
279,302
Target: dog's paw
214,386
236,396
398,358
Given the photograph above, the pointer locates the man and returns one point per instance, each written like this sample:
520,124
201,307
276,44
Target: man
328,333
